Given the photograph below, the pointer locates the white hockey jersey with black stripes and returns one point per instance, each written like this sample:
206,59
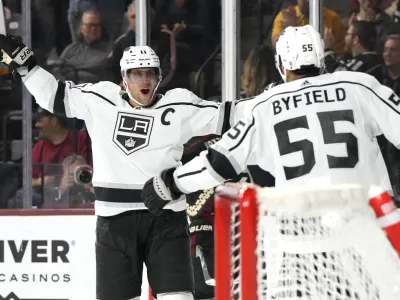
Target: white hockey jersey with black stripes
313,130
129,145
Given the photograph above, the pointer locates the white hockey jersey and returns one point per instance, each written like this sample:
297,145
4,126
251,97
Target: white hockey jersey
313,130
129,145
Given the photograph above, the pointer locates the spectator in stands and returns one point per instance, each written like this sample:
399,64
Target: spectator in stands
90,51
299,16
75,11
189,21
369,11
126,40
258,71
391,78
111,10
361,42
391,56
56,143
76,182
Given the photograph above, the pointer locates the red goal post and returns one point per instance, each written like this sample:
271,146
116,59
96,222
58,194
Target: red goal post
323,243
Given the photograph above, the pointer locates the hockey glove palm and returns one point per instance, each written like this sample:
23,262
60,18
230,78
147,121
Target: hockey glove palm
159,191
19,58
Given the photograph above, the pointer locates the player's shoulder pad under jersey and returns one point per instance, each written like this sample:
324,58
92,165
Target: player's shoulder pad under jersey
359,78
272,85
106,89
181,96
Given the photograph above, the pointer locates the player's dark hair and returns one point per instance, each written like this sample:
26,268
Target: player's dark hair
366,32
393,36
307,71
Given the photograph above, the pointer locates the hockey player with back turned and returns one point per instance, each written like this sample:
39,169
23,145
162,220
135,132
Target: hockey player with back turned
310,130
135,135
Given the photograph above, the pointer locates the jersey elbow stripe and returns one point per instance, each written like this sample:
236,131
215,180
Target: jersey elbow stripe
191,173
220,164
59,98
226,118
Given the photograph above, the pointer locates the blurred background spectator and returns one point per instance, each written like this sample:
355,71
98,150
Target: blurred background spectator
56,142
89,53
128,39
371,11
258,71
112,12
391,56
361,40
74,186
298,15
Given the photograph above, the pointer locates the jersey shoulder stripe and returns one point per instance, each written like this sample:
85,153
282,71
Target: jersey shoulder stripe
186,103
98,95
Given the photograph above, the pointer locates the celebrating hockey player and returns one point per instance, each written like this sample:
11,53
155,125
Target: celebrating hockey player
135,135
314,128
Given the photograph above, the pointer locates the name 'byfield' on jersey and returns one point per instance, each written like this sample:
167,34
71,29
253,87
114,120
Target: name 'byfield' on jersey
129,145
309,131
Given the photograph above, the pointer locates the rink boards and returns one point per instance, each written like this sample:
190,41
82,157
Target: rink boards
48,255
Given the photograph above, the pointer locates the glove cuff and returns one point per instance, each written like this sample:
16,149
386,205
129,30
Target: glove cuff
168,177
30,64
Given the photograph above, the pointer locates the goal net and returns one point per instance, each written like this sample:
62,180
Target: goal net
310,243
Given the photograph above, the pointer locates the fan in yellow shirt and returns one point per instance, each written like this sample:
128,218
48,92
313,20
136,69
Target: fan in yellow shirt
298,16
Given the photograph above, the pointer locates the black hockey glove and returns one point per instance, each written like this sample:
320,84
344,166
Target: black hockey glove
159,191
19,58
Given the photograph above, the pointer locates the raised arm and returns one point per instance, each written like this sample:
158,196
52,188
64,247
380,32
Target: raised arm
65,98
61,98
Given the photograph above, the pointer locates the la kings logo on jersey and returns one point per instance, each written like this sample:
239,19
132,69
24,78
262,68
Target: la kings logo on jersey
132,132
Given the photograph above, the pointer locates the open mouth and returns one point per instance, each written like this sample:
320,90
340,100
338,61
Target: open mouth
145,91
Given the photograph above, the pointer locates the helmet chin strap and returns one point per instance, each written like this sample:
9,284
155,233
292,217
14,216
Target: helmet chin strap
138,102
279,66
283,74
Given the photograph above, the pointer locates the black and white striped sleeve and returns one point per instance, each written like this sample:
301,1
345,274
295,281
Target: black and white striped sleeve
209,117
65,98
222,161
384,107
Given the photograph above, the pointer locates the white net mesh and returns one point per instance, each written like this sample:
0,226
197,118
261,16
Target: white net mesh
235,246
322,244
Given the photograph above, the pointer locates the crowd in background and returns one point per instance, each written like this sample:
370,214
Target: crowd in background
83,41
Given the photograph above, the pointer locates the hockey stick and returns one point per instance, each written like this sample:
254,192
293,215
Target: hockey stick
206,274
6,58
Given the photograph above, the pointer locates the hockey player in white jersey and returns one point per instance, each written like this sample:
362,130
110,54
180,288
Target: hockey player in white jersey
135,135
313,128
